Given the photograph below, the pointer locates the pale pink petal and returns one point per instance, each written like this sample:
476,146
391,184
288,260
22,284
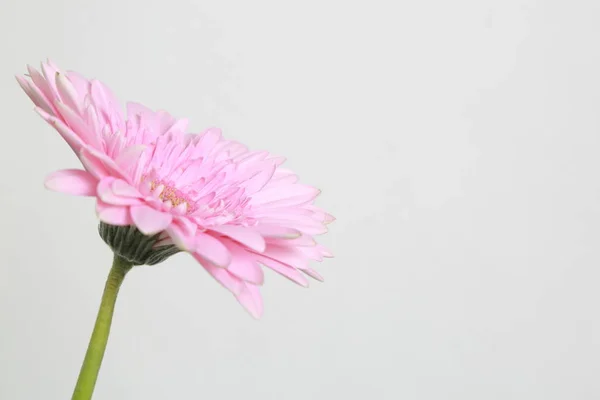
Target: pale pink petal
124,189
165,121
35,95
67,134
40,83
278,232
313,274
68,93
320,214
287,255
179,126
285,270
285,195
224,277
209,138
49,72
102,96
295,213
301,241
78,125
259,180
250,298
282,180
212,249
129,158
244,265
106,194
72,181
136,109
277,160
283,172
183,239
80,83
150,221
111,167
92,164
188,226
311,252
250,158
325,251
246,236
113,215
306,226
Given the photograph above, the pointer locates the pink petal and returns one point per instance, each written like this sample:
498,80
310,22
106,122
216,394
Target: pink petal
224,277
165,121
72,181
103,97
284,196
122,188
92,164
302,241
181,238
35,95
113,215
259,180
250,158
212,249
40,82
284,179
179,126
289,272
158,123
294,213
306,226
250,298
136,109
245,267
313,274
311,252
67,134
279,232
107,195
287,255
283,172
246,236
128,158
209,138
49,72
108,163
85,132
324,251
277,160
150,221
80,83
316,252
189,226
68,93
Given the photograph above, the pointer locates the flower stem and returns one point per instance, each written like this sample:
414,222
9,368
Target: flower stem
95,352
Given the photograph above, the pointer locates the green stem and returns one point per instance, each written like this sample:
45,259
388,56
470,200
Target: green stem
95,352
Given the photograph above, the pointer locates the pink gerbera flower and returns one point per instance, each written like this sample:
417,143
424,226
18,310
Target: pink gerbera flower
160,190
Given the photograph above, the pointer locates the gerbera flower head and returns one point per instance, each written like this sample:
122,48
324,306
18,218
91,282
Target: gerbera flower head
160,190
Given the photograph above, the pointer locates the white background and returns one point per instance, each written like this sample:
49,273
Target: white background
455,141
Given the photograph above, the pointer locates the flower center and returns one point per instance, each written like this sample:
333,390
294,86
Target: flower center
168,193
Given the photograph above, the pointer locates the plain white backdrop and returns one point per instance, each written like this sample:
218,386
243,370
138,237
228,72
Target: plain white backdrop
456,142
